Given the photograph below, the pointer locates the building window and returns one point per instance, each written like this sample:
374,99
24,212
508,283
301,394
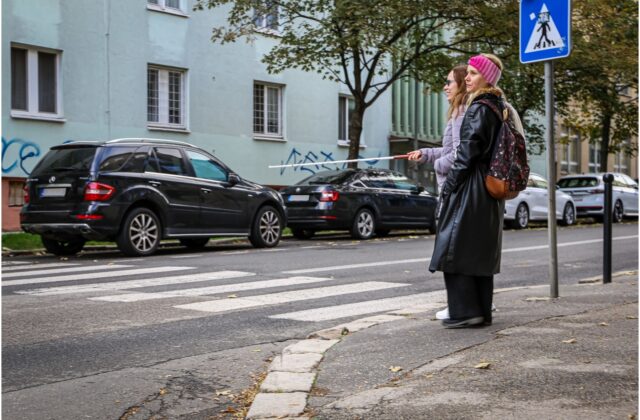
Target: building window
570,163
16,193
35,83
594,158
170,6
345,110
267,110
622,160
267,16
166,104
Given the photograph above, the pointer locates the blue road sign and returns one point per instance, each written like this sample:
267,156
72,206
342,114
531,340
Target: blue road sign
545,30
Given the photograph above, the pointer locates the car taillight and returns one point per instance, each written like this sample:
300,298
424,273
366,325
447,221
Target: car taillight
95,191
25,190
329,196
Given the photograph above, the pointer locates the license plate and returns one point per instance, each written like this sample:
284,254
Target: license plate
299,197
53,192
577,199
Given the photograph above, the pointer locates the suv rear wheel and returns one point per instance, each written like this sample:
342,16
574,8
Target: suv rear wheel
61,248
140,233
267,228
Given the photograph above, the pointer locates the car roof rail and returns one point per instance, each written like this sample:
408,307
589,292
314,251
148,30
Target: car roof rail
148,140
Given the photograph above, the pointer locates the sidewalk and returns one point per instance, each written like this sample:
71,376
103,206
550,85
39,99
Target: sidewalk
575,357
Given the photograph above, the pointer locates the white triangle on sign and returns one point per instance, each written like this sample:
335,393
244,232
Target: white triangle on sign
545,34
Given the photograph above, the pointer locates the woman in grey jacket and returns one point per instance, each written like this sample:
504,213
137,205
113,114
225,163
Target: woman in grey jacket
443,157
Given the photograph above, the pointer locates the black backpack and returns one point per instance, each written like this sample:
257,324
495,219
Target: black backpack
508,172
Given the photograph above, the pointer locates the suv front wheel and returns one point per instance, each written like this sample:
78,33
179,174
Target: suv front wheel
61,248
267,228
140,233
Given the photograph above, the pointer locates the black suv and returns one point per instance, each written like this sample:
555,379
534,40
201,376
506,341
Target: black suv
138,191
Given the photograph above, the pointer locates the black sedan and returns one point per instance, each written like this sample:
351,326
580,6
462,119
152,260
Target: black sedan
363,201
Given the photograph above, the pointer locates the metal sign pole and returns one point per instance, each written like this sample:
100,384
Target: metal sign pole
551,187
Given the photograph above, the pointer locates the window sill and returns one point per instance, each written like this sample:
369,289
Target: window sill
169,129
267,138
345,143
167,10
39,117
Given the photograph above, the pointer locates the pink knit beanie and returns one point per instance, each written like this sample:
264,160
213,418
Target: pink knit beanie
487,68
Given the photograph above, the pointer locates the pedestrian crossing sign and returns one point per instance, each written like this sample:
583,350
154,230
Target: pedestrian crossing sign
545,30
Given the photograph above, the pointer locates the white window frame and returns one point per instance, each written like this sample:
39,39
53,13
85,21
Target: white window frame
345,142
264,134
595,164
570,150
261,22
163,99
621,161
33,105
161,6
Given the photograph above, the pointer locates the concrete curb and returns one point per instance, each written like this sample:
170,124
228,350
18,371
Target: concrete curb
286,388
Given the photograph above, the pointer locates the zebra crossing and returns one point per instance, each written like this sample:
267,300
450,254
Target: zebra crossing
159,284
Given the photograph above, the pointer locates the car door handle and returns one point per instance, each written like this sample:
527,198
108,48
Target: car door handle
155,183
206,190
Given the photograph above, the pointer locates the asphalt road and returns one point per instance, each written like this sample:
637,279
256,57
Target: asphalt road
103,336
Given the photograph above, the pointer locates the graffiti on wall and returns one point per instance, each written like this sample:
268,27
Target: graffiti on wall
19,155
323,161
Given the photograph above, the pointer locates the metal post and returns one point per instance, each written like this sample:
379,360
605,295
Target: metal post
416,93
551,175
608,216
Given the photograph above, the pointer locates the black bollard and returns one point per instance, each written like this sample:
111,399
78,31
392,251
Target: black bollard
607,219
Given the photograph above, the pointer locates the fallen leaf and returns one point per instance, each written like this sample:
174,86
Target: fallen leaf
407,271
482,365
163,391
632,317
395,369
219,393
537,299
345,331
230,410
603,324
256,350
232,296
570,341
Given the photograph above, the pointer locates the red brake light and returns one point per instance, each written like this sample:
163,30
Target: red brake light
89,217
25,191
329,196
95,191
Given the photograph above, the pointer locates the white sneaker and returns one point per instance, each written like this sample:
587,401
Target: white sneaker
444,314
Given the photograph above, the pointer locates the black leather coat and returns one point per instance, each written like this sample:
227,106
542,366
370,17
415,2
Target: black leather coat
469,233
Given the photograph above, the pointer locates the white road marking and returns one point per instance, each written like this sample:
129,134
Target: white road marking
212,290
62,270
424,260
92,276
222,305
35,266
187,256
133,284
430,300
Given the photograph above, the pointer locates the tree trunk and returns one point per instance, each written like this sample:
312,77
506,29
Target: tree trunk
355,130
604,142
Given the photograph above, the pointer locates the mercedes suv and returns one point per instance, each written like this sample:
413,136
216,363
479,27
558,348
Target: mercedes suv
138,191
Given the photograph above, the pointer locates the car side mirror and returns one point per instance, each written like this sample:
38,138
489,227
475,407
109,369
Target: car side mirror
418,189
233,179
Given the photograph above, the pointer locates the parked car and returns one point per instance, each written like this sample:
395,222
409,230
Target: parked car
364,201
138,191
533,204
588,193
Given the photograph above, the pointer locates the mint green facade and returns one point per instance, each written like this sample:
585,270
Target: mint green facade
105,48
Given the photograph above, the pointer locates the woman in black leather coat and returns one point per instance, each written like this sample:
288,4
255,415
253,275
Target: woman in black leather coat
468,244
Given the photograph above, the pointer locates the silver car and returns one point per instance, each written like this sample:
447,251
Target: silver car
532,204
588,194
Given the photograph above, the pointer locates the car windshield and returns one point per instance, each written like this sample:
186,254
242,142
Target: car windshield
327,177
578,182
68,159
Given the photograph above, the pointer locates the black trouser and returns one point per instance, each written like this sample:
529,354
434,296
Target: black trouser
469,296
